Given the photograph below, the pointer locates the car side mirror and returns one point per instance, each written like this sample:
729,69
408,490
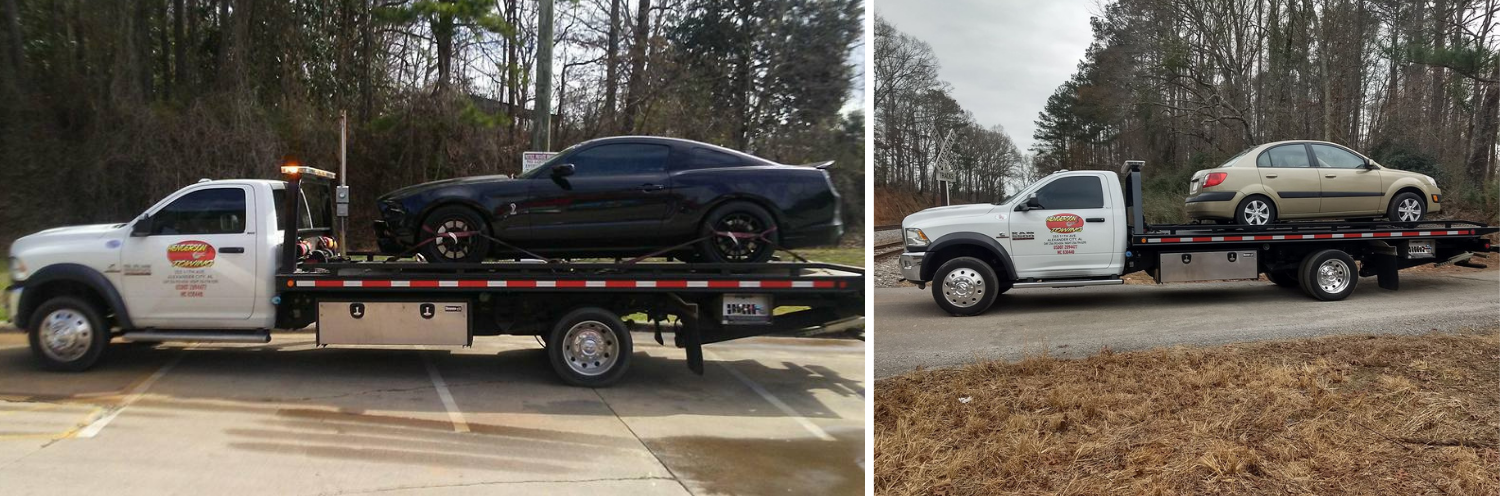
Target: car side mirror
1031,204
142,227
1369,165
563,170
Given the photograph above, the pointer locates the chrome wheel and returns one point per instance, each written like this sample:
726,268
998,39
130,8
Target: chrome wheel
591,348
963,287
1409,210
452,246
1256,213
1334,276
66,335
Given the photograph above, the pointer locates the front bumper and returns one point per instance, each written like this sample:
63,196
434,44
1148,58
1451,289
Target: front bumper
13,302
911,265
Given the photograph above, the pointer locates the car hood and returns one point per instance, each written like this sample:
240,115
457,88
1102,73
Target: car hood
916,219
63,235
416,189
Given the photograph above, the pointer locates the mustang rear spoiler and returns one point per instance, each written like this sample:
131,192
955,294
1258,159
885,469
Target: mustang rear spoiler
820,165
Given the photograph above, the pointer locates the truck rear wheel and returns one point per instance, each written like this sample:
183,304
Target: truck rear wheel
67,334
966,286
1283,278
1328,275
590,347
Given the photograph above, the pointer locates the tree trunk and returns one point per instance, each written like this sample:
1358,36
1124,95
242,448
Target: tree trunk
442,35
637,84
1483,151
611,64
13,39
166,52
179,49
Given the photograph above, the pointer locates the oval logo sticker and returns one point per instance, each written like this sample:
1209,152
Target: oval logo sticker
191,255
1065,223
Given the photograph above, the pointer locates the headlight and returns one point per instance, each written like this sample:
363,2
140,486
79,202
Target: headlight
1430,180
17,270
915,237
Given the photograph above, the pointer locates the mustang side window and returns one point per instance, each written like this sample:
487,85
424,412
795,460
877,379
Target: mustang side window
1284,156
623,158
1337,158
206,211
1072,193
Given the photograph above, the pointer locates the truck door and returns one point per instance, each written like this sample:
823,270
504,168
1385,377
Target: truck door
1071,235
195,265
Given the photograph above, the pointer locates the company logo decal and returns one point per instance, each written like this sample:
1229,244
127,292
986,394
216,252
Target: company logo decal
191,255
1065,223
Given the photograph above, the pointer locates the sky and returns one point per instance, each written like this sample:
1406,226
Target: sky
1003,58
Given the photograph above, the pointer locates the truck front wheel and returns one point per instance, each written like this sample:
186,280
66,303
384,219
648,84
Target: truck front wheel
590,347
966,286
67,334
1328,275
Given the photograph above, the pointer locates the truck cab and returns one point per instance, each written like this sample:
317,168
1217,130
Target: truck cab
1067,225
204,257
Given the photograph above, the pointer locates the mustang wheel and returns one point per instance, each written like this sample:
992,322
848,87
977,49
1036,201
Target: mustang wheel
1406,207
453,227
731,233
67,334
1328,275
966,286
1255,211
590,347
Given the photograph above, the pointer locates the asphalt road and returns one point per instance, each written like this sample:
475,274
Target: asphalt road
771,416
910,331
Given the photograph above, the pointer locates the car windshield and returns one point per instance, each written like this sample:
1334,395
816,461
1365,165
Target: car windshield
535,173
1231,160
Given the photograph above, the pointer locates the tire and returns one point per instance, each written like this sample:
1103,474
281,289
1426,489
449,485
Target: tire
1328,275
972,290
1406,207
742,217
1284,278
455,218
1262,211
67,334
593,329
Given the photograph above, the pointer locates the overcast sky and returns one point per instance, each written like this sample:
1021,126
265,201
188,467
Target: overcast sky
1003,57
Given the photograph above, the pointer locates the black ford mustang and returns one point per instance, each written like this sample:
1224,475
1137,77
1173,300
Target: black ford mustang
619,197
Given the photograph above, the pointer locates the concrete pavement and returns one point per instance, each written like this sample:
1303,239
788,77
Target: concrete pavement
771,415
911,331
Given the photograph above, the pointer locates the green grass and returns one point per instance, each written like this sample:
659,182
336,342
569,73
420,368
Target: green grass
4,283
847,256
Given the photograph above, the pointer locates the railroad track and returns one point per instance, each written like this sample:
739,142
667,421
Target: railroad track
888,227
887,249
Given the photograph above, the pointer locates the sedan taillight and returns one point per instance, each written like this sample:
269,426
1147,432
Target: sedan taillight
1215,179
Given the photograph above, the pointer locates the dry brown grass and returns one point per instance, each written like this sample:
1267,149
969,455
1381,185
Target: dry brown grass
1336,415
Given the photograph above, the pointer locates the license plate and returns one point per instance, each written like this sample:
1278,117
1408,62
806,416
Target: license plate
1419,248
747,309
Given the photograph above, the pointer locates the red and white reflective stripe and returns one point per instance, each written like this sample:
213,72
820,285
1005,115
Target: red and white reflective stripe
1278,237
609,283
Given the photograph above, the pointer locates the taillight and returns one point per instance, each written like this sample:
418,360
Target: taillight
1215,179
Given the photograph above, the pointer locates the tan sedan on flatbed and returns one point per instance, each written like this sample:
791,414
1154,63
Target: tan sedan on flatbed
1289,180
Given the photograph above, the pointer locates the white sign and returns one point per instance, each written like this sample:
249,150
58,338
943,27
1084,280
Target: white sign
532,160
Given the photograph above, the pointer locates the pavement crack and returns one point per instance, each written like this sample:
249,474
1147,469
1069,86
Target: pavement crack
638,439
497,483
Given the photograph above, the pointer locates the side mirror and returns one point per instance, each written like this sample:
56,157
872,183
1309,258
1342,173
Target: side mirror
1369,165
563,170
1031,204
142,227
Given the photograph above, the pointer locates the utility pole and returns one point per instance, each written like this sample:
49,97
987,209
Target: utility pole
541,139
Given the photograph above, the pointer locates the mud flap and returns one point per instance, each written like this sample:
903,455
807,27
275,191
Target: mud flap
688,334
1386,270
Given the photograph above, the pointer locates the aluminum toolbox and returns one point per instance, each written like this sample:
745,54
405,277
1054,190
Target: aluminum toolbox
437,323
1208,266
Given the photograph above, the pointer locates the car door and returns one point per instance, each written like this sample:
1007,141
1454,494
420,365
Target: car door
1348,186
1287,172
196,265
1070,235
617,194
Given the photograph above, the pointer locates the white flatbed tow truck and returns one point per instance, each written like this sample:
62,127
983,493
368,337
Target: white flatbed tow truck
1083,228
212,262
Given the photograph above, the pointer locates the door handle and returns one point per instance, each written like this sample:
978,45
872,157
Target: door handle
1330,176
1270,176
232,249
1094,219
652,187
